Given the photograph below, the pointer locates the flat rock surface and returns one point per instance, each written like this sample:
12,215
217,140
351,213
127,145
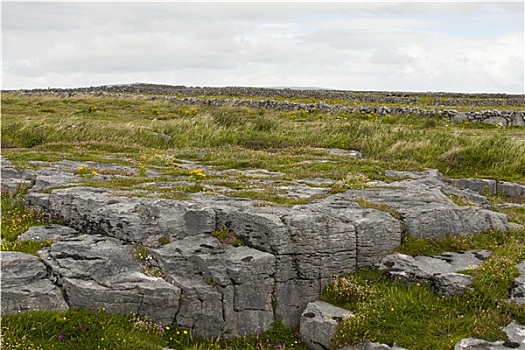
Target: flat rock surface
26,284
441,271
49,232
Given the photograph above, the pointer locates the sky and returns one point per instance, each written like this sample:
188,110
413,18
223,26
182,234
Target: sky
469,47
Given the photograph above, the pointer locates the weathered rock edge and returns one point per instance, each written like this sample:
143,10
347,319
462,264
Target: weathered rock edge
289,254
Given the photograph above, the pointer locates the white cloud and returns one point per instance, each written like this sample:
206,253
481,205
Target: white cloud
411,46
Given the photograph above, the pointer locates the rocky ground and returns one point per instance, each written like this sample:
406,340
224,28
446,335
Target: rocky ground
229,266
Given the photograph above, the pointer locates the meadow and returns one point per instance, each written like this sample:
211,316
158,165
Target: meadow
154,135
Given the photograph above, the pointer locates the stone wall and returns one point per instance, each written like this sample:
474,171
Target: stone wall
197,96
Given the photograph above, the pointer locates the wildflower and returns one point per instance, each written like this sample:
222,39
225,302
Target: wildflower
185,332
168,328
60,337
80,326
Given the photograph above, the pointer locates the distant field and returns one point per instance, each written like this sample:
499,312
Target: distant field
154,132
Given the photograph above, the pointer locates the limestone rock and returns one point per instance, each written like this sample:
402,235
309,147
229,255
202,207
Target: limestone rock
517,292
13,179
319,322
441,272
49,232
27,286
99,211
226,289
96,271
343,152
426,211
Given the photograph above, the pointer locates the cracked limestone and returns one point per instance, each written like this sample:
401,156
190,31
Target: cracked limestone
289,253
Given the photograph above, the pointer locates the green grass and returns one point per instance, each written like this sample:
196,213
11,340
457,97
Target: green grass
17,217
242,138
160,135
97,329
413,316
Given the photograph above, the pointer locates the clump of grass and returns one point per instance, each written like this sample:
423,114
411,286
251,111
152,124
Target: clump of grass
77,329
365,203
164,240
433,246
16,218
142,254
460,200
227,236
358,180
29,247
348,290
97,329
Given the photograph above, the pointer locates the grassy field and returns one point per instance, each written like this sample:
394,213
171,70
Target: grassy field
154,135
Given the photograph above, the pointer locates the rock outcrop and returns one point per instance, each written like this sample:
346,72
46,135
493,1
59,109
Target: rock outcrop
319,322
27,285
164,258
442,272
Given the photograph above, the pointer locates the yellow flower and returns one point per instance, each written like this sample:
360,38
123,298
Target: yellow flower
185,332
168,328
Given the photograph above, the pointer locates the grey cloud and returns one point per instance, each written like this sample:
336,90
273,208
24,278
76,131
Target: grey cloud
341,45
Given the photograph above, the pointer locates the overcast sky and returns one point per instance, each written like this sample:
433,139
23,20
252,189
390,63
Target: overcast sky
393,46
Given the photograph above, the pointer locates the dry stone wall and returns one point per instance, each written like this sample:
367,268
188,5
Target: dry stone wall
198,96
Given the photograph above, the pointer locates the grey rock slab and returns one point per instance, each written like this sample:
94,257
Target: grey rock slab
319,322
14,179
302,191
516,333
49,232
488,186
460,118
26,285
441,271
96,271
98,210
317,181
517,120
517,292
478,344
511,189
483,186
229,286
426,211
342,152
496,120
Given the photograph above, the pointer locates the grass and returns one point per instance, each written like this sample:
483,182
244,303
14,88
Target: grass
413,316
365,203
226,236
241,138
17,217
163,136
97,329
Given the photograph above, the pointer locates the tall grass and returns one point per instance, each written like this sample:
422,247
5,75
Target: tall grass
119,125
